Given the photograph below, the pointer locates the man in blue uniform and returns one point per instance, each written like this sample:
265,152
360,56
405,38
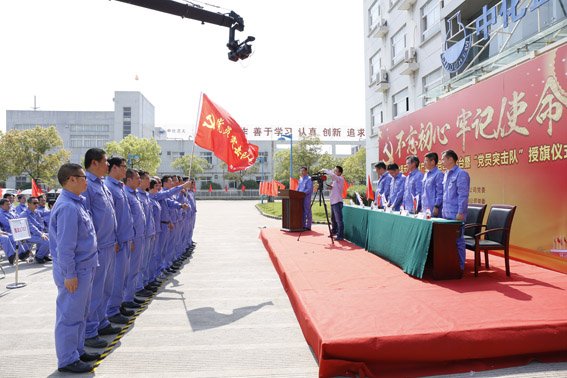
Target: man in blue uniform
456,186
98,201
73,246
397,185
306,186
413,185
6,214
124,234
22,206
155,262
8,245
383,186
37,230
43,210
432,195
336,199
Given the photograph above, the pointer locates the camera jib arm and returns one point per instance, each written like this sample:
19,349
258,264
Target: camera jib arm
232,20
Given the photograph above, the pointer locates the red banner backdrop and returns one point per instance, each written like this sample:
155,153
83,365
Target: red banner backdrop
511,136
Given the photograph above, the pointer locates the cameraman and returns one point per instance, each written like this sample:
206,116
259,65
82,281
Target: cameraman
337,201
306,186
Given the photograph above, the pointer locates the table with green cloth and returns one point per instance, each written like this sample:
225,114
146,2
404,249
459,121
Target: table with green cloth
402,240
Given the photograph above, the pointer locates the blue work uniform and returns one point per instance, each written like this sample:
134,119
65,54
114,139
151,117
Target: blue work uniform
456,186
383,188
45,213
37,229
412,190
150,233
5,216
167,235
397,186
139,224
98,201
73,247
193,216
21,208
306,186
432,195
124,234
7,244
155,258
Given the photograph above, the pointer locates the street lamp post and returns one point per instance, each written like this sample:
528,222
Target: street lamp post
261,158
130,156
290,137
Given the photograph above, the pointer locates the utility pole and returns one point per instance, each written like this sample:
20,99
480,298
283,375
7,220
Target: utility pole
34,104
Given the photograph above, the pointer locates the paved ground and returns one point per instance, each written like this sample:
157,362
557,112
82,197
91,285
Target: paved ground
225,314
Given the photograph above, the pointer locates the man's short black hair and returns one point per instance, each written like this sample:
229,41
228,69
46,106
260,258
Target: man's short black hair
142,173
452,154
20,196
303,167
3,201
8,195
130,173
433,156
115,161
93,154
153,183
66,171
380,165
393,167
164,178
30,199
413,159
339,168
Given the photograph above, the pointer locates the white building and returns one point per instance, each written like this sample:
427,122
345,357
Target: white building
418,51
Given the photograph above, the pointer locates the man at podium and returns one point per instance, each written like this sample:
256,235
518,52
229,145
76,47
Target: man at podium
306,186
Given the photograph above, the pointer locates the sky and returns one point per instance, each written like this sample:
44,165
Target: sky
307,67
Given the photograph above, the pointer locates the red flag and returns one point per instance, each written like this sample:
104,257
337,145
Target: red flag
19,191
210,188
275,186
269,186
35,190
243,188
345,188
217,131
0,191
226,188
293,183
195,189
369,191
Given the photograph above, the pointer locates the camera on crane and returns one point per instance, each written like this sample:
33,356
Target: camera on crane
240,50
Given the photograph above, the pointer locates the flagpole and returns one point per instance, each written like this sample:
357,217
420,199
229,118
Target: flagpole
195,133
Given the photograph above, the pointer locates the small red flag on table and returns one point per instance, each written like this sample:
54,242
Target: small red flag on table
217,131
210,188
243,188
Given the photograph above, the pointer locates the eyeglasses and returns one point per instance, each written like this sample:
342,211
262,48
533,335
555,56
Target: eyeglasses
85,177
34,203
123,166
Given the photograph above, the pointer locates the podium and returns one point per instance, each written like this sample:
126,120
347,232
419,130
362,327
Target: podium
292,210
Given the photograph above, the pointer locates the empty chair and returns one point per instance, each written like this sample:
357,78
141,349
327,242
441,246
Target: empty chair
473,222
496,235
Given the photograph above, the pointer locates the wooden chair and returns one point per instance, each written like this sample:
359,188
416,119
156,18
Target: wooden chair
473,222
496,235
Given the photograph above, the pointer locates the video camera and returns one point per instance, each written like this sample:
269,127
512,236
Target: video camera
319,177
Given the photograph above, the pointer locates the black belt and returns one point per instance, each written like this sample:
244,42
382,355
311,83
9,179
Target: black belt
165,222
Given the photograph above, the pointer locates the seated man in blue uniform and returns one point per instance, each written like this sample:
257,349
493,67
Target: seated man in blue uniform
22,206
306,186
6,214
37,230
74,249
456,186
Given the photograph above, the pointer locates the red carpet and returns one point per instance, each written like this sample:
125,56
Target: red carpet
360,314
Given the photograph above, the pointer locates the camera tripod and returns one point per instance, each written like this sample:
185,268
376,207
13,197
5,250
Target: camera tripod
319,193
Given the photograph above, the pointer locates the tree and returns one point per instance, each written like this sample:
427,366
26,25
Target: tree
328,161
146,149
306,153
354,167
37,152
198,167
239,176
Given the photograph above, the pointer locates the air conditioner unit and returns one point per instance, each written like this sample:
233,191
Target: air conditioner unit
380,29
406,4
381,81
410,55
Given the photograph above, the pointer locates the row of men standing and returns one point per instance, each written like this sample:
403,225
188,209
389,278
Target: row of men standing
445,194
112,244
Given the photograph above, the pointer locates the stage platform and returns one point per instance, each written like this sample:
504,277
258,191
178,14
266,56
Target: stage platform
363,315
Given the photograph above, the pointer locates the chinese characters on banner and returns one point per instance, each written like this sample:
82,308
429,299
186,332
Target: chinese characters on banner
510,134
218,132
325,132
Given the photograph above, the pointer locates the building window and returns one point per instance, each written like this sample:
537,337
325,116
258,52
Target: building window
127,121
79,141
89,128
430,16
376,118
398,45
375,65
208,156
400,103
263,155
127,112
429,82
374,15
21,180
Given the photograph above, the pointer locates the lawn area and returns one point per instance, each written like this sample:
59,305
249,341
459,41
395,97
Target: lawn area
275,209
